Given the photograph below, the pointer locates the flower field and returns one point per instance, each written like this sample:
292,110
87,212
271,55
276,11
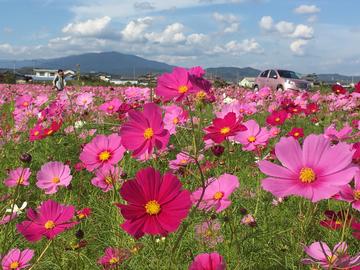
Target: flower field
182,176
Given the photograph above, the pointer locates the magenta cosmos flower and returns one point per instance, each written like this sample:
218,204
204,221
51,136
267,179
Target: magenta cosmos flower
223,128
16,259
110,107
217,193
208,261
113,257
338,258
102,151
19,176
316,172
49,220
156,204
53,175
144,131
253,136
106,178
175,85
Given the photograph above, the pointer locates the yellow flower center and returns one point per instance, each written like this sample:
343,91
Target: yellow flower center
25,104
176,120
277,119
296,134
183,161
36,133
20,180
201,94
110,107
338,222
148,133
208,232
108,180
307,175
114,260
357,194
252,139
218,195
50,132
183,89
49,225
152,207
14,265
104,155
55,180
225,130
331,259
81,216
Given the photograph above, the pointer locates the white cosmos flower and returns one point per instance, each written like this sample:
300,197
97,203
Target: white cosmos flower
16,209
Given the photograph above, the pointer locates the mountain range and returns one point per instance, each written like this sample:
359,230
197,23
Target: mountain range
126,65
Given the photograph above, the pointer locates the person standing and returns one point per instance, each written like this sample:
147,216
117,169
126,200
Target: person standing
59,81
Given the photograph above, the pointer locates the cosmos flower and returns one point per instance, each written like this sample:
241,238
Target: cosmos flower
49,220
316,172
296,133
208,261
352,194
343,134
110,107
102,152
113,257
156,204
16,259
217,193
174,116
84,99
277,118
145,131
335,221
223,128
53,175
175,85
253,136
106,178
338,89
19,176
338,258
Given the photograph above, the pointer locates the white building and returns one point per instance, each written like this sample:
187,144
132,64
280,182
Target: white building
48,74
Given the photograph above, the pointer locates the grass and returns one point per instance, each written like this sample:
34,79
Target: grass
276,242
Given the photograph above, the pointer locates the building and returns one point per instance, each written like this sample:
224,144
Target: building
48,74
247,82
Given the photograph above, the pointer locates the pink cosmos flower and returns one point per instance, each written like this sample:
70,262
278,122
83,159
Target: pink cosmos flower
182,159
49,220
144,131
19,176
175,85
113,257
156,204
84,99
296,133
110,107
16,259
208,261
333,134
23,102
253,136
53,175
174,116
316,172
7,218
217,193
102,151
338,258
352,195
274,132
223,128
106,178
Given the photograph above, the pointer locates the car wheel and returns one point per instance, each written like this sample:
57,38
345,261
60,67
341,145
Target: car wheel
256,88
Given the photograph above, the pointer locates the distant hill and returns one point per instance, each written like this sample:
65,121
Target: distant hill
332,78
232,73
108,62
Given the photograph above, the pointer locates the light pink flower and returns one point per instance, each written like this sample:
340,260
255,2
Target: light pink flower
53,175
253,136
19,176
16,259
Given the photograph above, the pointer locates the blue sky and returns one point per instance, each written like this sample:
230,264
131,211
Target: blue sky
304,35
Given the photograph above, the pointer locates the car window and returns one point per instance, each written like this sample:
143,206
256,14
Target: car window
264,74
288,74
273,74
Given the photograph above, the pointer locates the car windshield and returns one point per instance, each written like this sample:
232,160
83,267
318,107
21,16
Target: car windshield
288,74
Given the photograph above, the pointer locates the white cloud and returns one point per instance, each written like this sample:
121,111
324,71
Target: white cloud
285,28
195,39
307,9
297,46
230,22
266,23
135,30
6,48
232,28
303,31
87,28
238,48
173,33
144,5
